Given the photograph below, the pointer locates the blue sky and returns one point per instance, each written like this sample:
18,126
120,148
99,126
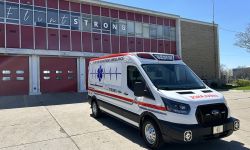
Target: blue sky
231,15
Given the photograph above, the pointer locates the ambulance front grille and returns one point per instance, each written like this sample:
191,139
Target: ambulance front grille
212,114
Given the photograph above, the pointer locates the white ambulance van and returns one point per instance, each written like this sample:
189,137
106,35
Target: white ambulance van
160,95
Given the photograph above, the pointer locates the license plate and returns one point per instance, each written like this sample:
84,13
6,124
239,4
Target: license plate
218,129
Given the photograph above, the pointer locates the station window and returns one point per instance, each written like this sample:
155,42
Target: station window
166,32
46,72
75,21
160,32
26,15
114,26
70,78
19,78
52,18
40,17
59,78
6,72
138,29
105,24
86,23
12,13
153,31
122,27
146,30
64,18
96,24
6,78
172,34
1,11
46,78
131,28
19,72
59,72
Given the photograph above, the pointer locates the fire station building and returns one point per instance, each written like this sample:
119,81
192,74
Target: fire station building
45,45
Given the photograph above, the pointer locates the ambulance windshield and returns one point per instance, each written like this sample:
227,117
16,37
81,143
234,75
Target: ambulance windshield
172,77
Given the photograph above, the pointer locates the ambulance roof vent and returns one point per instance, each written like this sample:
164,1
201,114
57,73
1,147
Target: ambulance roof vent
207,91
145,56
186,92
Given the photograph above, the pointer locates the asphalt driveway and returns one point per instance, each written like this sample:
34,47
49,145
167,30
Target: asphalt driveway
70,126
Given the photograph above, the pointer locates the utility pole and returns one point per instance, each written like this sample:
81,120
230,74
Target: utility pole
216,47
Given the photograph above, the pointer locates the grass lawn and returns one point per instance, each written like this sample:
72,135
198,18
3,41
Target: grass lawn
242,88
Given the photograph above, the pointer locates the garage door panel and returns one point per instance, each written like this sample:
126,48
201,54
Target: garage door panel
14,75
58,74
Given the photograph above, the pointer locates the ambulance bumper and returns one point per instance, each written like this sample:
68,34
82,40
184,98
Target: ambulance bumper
180,133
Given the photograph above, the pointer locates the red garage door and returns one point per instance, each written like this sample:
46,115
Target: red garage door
58,74
14,75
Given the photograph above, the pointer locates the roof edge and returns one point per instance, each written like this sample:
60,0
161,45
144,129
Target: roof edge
147,11
126,7
199,22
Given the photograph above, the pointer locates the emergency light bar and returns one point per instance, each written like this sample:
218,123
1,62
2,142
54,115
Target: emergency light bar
163,57
160,57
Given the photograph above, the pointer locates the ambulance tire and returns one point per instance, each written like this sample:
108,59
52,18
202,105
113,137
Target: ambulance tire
151,134
96,112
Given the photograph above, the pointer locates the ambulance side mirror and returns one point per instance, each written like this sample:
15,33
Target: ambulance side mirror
139,89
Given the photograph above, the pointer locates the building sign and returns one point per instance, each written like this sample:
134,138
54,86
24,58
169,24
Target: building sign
54,18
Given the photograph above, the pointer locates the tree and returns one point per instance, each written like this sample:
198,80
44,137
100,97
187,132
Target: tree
226,74
243,39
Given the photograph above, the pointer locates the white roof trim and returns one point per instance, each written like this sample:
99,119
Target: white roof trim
199,22
18,51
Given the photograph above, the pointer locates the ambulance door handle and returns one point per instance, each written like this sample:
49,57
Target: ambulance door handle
125,93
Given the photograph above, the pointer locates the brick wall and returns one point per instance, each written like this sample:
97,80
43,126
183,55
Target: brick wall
200,49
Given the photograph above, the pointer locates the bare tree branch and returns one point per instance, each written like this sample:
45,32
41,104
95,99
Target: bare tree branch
243,39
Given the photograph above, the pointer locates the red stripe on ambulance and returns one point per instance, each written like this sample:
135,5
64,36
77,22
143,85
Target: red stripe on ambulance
162,108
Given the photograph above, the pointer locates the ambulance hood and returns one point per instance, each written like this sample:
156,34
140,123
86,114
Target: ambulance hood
194,97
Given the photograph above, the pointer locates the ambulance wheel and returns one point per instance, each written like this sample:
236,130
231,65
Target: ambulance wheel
151,134
96,112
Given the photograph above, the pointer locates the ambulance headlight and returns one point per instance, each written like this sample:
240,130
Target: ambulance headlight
176,107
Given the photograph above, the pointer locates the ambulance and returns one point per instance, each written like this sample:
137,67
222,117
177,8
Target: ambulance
159,95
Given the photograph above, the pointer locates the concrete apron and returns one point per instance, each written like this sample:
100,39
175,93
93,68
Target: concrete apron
8,102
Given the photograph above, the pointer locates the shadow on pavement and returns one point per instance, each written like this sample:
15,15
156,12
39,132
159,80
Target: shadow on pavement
9,102
132,134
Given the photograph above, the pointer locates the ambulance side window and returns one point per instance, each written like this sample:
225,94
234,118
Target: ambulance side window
133,75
